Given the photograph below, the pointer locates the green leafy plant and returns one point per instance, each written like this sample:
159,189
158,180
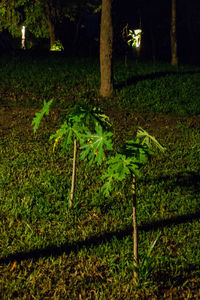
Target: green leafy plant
85,125
38,116
128,162
97,143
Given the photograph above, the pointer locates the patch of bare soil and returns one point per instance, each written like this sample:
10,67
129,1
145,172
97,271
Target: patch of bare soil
19,118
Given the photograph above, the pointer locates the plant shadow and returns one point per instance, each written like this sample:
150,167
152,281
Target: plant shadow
189,180
178,282
134,79
66,248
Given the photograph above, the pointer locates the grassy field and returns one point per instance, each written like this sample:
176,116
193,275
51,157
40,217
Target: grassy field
50,251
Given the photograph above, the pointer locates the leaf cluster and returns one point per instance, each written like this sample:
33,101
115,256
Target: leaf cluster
130,159
92,130
86,124
38,116
97,143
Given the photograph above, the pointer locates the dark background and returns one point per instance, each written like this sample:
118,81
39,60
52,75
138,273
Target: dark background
154,17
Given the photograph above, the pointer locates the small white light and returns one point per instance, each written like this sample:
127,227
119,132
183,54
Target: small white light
138,33
23,37
23,32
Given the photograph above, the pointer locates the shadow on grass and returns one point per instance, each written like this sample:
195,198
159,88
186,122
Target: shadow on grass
188,180
97,240
135,79
178,285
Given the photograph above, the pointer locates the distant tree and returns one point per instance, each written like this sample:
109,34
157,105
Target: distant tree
41,16
76,10
11,16
174,56
106,49
40,19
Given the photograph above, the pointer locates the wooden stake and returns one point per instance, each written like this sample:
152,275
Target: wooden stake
73,176
135,234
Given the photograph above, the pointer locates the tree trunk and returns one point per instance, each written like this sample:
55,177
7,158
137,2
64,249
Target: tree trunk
138,49
51,23
106,43
52,33
174,57
77,32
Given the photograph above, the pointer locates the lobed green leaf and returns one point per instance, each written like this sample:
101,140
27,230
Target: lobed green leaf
97,144
38,116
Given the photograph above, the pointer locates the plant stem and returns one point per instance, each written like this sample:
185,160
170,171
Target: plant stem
135,234
73,175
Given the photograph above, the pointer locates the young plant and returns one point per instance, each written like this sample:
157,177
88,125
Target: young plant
86,125
127,163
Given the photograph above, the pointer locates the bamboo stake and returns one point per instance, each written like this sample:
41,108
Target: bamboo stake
73,176
135,233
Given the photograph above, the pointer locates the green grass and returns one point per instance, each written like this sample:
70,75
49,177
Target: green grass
143,87
48,251
42,78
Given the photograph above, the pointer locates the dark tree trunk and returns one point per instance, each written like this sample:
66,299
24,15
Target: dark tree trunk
51,23
77,32
153,44
106,43
52,33
174,57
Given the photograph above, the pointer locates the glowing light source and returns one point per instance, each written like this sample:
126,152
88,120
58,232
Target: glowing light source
135,38
23,37
138,33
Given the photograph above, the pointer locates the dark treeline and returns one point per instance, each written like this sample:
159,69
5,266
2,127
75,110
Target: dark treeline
79,28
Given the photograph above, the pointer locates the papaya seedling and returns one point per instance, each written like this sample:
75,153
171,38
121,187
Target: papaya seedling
128,163
86,125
